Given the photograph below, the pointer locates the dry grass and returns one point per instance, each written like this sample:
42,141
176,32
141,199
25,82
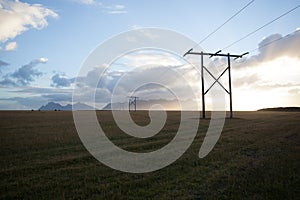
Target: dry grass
257,157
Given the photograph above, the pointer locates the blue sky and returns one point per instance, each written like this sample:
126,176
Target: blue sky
60,34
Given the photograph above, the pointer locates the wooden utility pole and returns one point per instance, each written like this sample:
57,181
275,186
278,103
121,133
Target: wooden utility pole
228,68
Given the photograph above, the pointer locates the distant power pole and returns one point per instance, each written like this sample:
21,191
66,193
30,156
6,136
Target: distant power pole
132,101
218,53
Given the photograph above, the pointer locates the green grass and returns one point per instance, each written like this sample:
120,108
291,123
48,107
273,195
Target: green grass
257,157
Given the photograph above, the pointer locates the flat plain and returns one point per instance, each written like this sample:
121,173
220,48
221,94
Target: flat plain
256,157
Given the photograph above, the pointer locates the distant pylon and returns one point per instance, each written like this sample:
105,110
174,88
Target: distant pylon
132,101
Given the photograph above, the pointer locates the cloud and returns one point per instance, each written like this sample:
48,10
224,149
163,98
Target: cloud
117,11
295,91
256,87
135,26
273,47
123,82
11,46
246,80
17,17
66,97
114,9
270,86
8,82
109,9
284,45
33,97
32,102
2,63
24,75
87,2
61,81
43,90
41,60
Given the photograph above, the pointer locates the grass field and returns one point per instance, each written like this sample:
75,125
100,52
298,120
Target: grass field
257,157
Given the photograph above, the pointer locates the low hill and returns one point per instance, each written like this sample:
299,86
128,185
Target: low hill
148,105
285,109
57,106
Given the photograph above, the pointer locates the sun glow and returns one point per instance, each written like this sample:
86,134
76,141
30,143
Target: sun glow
274,80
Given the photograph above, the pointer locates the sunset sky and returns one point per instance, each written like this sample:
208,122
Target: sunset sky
44,43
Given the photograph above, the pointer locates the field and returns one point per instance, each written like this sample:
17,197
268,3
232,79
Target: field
256,157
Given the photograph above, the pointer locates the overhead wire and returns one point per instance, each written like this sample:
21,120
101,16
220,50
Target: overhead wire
268,43
258,29
249,34
229,19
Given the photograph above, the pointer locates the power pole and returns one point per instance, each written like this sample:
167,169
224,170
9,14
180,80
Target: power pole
132,101
228,68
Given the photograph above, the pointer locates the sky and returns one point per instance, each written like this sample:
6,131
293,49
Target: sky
43,45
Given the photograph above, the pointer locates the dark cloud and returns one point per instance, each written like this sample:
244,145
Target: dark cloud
61,81
24,75
7,82
2,63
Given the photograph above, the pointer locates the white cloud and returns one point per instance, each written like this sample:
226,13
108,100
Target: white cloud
115,9
42,60
11,46
109,9
149,58
135,26
17,17
271,78
87,2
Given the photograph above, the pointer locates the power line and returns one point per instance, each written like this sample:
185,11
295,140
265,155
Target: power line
248,4
270,22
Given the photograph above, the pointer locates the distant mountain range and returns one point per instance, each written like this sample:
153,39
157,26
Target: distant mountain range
148,104
57,106
285,109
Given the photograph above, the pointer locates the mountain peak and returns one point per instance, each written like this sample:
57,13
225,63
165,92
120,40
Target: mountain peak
57,106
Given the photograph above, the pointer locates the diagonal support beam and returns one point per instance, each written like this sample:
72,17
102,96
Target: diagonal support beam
216,80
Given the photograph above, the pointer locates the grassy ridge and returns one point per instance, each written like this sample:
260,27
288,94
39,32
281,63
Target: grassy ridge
257,157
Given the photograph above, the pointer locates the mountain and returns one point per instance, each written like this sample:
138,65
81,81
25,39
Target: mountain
81,106
57,106
148,104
